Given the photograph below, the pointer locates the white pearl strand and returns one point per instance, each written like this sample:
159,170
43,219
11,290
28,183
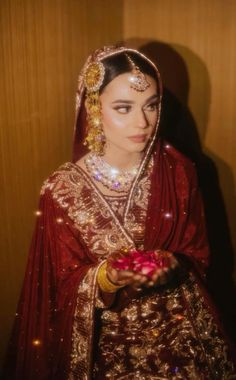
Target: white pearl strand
112,178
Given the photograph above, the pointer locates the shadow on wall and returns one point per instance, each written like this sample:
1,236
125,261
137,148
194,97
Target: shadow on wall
179,128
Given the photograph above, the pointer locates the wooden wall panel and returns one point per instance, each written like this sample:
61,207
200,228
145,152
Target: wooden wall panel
203,34
42,47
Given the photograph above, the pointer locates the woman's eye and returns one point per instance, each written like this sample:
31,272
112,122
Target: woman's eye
123,109
151,107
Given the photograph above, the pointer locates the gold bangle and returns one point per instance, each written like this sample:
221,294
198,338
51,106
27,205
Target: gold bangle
104,283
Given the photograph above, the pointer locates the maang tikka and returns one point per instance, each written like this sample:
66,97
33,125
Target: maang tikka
137,79
93,79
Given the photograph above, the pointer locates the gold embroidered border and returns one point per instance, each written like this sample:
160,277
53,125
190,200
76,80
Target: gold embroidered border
82,334
208,334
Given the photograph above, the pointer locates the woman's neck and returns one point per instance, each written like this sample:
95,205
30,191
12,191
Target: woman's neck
122,160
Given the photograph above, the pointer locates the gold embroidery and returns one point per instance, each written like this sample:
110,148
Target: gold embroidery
86,209
213,345
163,339
102,236
82,327
117,204
136,217
135,220
154,333
96,223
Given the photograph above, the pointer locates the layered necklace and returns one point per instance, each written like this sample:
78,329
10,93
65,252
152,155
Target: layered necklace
112,178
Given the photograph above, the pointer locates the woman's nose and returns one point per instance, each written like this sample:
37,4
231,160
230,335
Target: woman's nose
141,120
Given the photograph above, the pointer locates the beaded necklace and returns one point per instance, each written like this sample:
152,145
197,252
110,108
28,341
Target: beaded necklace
112,178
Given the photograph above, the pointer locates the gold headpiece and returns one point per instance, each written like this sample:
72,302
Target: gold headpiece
94,76
93,79
137,79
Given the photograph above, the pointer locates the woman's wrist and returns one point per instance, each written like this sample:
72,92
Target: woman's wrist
105,284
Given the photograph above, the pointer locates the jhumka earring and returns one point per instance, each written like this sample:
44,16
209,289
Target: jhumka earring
93,79
137,78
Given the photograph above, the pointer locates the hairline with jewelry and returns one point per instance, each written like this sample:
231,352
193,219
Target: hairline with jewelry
93,77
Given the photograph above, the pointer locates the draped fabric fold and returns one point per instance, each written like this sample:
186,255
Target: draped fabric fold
41,341
175,215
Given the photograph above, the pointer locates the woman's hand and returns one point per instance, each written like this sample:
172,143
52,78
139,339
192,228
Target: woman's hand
125,277
164,275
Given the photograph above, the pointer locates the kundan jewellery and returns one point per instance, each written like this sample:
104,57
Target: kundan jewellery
93,79
113,178
137,78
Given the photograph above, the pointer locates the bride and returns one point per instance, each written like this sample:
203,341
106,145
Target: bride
114,287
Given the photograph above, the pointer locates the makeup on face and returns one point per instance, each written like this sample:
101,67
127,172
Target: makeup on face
129,116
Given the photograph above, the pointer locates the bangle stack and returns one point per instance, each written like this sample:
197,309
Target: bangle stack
104,283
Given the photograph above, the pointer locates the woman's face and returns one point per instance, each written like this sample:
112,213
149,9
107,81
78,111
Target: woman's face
129,116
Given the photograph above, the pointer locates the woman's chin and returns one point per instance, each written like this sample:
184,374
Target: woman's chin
130,148
136,147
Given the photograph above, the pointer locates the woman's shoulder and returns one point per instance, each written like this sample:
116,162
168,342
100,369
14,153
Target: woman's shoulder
65,176
175,157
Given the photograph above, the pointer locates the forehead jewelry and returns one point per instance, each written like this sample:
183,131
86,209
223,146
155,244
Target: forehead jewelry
137,79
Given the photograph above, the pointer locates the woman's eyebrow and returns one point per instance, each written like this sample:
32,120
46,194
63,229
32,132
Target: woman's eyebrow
155,96
125,101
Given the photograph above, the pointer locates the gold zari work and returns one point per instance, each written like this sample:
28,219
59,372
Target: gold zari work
157,334
157,337
101,230
71,189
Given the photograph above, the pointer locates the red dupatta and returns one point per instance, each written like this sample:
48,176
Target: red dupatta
175,217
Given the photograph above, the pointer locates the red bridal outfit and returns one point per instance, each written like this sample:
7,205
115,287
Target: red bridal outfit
64,331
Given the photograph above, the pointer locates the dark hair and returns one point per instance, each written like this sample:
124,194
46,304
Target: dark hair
119,64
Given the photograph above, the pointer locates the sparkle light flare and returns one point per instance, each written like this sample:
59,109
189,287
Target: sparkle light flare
36,342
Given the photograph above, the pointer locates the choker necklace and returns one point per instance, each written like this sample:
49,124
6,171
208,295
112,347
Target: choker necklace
112,178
